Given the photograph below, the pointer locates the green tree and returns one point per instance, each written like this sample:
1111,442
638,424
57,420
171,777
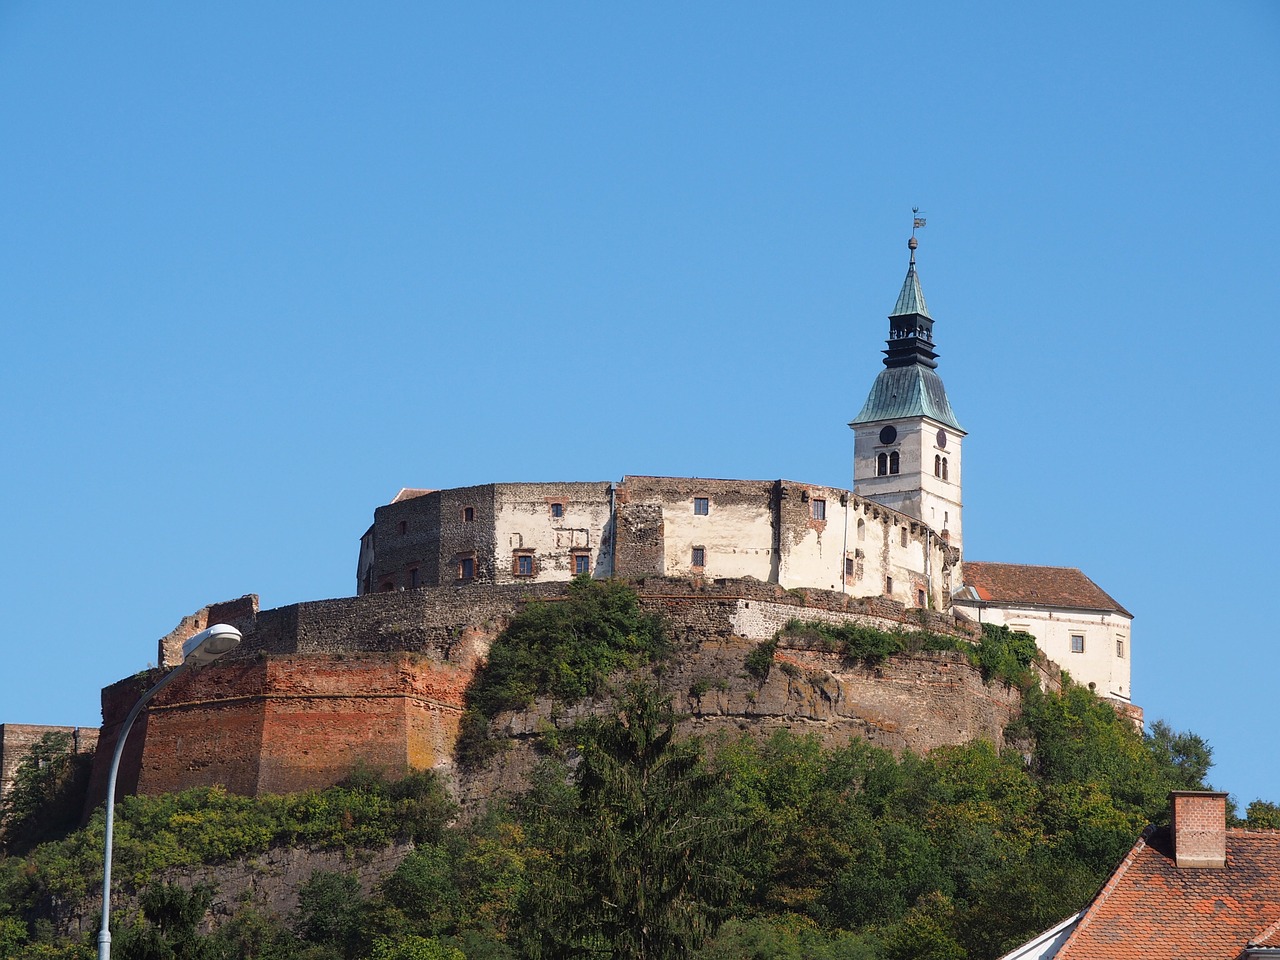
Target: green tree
169,927
330,906
643,868
1183,757
47,795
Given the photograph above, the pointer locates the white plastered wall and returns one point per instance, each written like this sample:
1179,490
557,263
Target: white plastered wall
914,490
1100,665
525,524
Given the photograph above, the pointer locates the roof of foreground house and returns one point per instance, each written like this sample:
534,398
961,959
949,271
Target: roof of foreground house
1151,909
1037,586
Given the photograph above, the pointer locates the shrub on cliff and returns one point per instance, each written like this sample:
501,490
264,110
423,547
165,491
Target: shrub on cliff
566,649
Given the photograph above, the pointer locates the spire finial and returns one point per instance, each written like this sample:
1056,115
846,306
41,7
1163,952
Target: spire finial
917,222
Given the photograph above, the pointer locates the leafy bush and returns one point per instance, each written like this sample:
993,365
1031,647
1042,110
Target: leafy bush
566,649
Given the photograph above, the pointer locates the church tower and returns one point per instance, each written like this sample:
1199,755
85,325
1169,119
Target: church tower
906,447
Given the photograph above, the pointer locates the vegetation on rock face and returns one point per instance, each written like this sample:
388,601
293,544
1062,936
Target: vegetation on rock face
1002,654
633,842
566,649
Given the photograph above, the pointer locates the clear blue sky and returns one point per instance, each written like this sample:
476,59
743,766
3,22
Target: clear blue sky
262,265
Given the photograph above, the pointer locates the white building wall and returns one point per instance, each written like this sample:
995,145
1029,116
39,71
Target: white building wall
914,490
1104,663
525,524
736,538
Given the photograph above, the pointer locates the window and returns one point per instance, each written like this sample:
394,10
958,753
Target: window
818,509
919,597
413,578
1120,647
581,563
1077,643
557,510
403,526
467,568
701,506
904,536
848,566
888,585
524,565
893,462
937,466
944,469
862,529
468,514
699,557
882,465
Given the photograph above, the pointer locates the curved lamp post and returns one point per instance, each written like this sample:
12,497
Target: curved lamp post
204,648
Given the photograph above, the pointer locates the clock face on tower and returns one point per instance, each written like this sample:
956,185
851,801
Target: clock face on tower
942,439
889,434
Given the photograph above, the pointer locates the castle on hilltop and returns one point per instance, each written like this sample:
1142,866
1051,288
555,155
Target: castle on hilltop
379,679
897,534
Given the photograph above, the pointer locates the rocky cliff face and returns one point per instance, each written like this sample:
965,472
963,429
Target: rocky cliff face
318,689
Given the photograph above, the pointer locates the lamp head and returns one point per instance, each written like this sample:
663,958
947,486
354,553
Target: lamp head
210,644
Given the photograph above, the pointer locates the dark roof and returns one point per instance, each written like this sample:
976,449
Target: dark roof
911,297
1151,909
1039,586
911,391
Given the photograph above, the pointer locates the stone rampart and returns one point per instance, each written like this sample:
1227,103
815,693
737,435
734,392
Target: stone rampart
317,689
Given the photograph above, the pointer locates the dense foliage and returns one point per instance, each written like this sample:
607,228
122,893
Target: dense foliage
567,649
632,842
1000,653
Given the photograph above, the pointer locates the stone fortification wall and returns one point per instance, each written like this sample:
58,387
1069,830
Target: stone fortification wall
319,688
17,739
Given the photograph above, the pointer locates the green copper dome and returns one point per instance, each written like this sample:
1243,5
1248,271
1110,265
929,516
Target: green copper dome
902,392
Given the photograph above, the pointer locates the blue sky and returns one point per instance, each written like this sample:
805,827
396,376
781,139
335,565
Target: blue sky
263,265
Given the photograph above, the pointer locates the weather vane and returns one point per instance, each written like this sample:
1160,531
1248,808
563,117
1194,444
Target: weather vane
918,222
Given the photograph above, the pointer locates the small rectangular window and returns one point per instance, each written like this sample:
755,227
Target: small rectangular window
581,563
1120,647
466,569
919,598
524,565
701,506
557,509
404,526
413,578
848,566
888,585
818,509
1077,643
468,514
699,556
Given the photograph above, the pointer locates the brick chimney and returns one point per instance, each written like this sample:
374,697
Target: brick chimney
1199,829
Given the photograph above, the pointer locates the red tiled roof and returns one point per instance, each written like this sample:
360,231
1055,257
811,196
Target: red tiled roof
1269,937
1041,586
1151,909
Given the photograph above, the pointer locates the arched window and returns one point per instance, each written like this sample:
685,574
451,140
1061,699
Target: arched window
862,529
882,465
893,462
944,468
937,466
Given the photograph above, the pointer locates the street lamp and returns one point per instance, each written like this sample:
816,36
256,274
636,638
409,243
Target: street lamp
204,648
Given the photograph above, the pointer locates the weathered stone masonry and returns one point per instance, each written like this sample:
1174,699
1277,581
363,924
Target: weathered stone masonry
320,688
